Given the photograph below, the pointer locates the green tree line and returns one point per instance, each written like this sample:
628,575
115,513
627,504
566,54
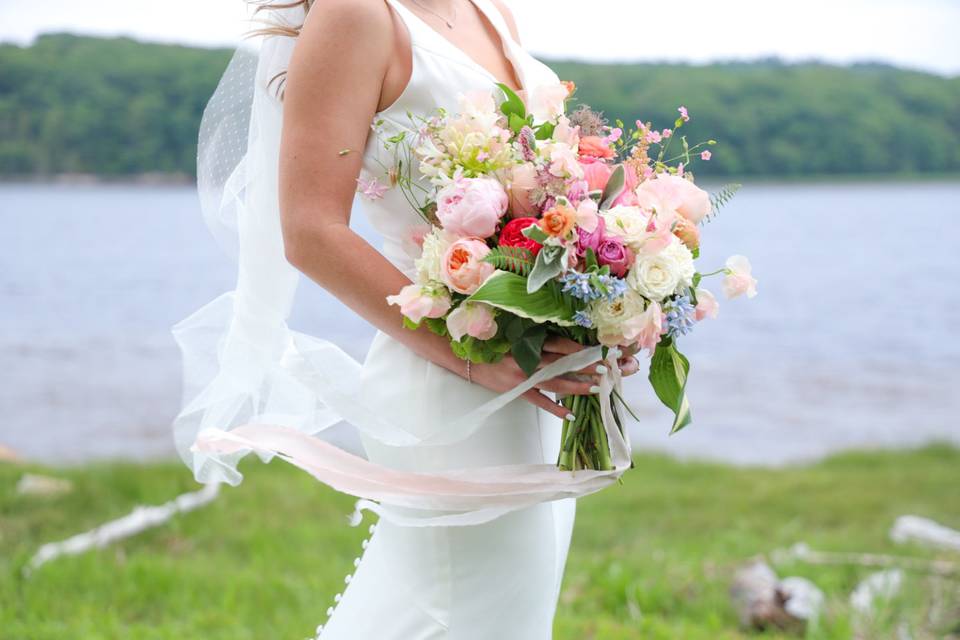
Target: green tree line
116,107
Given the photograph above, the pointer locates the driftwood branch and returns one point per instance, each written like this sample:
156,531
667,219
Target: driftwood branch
140,519
804,553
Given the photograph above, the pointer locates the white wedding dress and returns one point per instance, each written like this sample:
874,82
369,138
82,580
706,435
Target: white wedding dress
495,580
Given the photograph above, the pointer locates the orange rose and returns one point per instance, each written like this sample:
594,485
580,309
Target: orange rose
595,147
559,221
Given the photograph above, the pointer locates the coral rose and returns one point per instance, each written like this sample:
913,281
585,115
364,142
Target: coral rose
595,147
559,221
462,268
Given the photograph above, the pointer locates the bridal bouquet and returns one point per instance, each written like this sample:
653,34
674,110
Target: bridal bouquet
541,223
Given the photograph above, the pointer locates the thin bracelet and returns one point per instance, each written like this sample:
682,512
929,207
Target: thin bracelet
469,379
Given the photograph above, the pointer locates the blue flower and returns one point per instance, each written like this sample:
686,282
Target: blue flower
680,314
582,318
578,285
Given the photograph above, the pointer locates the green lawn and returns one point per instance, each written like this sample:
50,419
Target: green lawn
651,559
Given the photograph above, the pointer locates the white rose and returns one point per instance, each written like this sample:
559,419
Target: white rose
659,275
435,244
629,224
619,321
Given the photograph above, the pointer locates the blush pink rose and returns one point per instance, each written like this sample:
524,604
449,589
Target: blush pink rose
678,194
472,319
463,268
597,174
739,279
416,303
707,306
471,206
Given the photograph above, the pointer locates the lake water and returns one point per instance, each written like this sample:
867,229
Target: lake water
851,342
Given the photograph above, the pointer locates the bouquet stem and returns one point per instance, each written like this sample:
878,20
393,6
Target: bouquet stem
583,441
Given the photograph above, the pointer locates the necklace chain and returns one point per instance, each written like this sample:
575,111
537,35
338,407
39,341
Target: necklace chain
450,22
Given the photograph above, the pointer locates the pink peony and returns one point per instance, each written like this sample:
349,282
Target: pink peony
739,279
590,239
471,206
417,303
707,306
472,319
462,267
677,194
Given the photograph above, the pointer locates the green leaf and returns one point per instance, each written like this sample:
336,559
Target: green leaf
668,376
549,265
535,233
513,104
508,291
697,277
437,326
410,324
526,343
614,187
545,131
517,122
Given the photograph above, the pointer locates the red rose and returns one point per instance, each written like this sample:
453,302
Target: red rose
512,235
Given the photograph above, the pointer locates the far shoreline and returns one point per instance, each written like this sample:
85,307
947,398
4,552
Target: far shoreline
157,179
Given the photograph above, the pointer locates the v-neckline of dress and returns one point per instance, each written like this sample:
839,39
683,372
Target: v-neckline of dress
505,45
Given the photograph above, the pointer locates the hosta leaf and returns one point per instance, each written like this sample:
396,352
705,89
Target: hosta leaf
668,376
508,291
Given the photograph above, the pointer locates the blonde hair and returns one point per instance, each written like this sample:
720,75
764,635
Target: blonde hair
284,30
276,28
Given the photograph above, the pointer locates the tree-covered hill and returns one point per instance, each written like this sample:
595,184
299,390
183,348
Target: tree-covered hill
115,107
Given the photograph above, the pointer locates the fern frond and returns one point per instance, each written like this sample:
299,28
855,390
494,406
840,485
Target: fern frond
721,198
518,260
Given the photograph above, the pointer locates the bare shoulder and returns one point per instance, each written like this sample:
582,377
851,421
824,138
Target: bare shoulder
508,16
362,24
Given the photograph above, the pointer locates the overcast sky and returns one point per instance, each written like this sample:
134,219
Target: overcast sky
915,33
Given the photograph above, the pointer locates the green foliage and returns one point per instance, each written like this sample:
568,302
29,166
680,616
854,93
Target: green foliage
526,339
614,187
120,107
487,351
719,199
508,291
549,264
518,260
668,376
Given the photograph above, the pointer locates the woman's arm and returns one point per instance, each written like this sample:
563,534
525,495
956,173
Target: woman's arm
332,92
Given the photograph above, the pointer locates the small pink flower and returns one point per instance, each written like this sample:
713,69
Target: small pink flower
416,303
680,169
705,155
707,306
471,206
653,137
683,113
463,268
371,188
739,279
472,319
667,133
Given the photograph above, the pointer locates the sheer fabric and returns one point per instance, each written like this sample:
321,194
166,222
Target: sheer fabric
251,384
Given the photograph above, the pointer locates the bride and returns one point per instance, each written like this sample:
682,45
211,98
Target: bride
421,412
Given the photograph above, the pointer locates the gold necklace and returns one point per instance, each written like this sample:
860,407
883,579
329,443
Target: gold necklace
450,22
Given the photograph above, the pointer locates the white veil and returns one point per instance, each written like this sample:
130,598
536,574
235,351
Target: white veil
253,385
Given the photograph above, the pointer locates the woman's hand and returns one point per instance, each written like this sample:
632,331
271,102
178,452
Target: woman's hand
507,374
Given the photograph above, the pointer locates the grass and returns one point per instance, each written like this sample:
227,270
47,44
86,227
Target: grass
652,559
